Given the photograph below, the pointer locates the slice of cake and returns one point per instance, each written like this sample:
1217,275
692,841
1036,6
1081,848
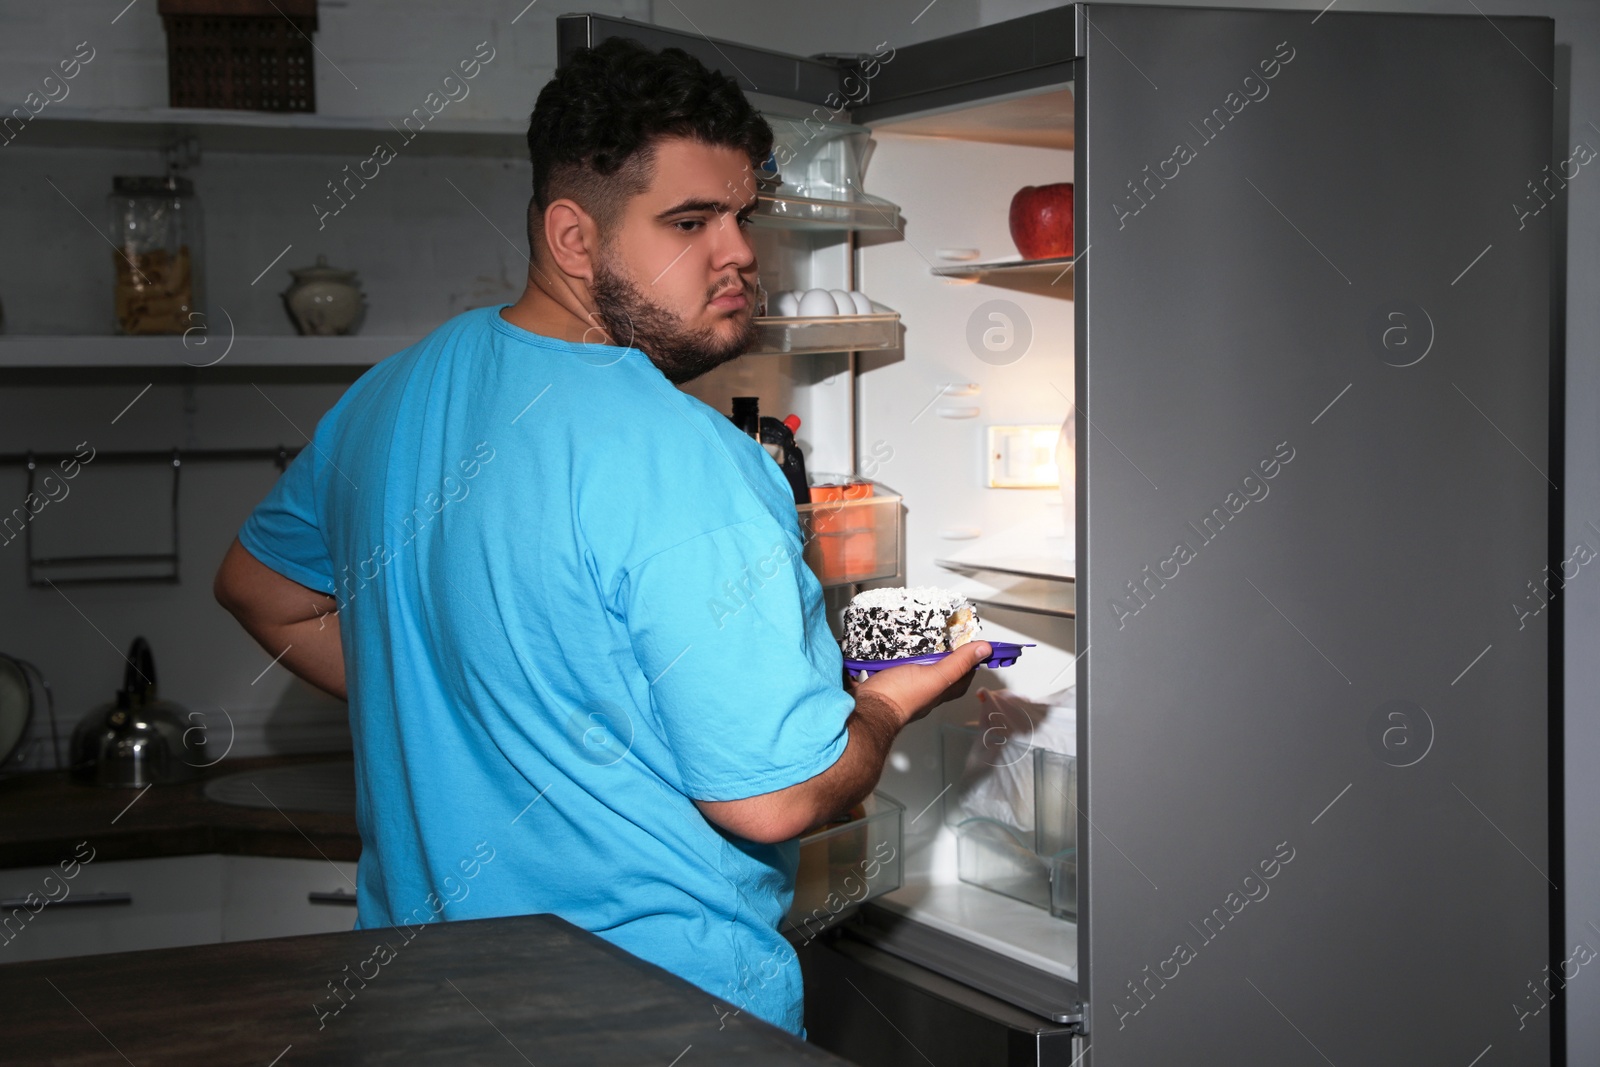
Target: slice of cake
898,623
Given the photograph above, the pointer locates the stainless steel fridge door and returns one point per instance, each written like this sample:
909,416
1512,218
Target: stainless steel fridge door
1313,370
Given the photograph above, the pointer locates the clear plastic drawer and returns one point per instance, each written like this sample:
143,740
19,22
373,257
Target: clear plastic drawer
853,538
845,863
1013,809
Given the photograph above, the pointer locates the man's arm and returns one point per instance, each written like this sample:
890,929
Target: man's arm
285,617
885,704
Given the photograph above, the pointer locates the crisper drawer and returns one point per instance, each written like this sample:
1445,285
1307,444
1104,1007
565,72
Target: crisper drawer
852,533
1014,814
109,907
273,897
846,863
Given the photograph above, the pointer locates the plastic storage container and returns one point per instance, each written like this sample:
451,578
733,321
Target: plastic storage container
820,160
1055,806
851,532
845,864
1013,809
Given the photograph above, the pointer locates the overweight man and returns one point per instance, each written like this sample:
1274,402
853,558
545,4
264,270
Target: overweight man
504,547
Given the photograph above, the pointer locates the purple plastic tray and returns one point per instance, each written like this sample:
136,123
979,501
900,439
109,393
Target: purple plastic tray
1001,654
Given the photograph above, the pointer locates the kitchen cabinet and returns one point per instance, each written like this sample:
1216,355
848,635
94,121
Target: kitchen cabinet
1304,343
270,897
121,906
128,905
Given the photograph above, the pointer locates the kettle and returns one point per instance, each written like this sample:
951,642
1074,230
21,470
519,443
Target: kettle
137,740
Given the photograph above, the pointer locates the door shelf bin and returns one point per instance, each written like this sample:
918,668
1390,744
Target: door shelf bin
843,864
796,335
853,540
808,213
1013,810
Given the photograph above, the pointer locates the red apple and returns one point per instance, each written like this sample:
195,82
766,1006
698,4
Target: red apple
1041,220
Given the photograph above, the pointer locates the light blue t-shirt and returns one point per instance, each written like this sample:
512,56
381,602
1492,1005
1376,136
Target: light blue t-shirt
572,600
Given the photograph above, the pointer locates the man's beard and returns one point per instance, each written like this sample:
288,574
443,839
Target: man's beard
681,353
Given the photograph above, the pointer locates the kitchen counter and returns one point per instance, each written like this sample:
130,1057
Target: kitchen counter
459,992
44,815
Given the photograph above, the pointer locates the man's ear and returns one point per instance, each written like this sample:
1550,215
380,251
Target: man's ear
572,239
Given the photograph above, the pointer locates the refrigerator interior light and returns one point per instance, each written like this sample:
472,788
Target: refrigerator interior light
1023,457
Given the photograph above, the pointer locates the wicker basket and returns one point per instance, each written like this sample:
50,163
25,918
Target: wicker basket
251,55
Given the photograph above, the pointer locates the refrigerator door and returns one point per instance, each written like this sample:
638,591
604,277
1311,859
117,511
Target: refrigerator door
1315,458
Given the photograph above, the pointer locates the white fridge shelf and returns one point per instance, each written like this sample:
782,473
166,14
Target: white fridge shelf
1028,935
777,335
804,213
1052,270
1036,596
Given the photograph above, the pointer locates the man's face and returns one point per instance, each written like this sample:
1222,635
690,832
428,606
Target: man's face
676,277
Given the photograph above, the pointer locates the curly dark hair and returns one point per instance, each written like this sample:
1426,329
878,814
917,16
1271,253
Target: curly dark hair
595,124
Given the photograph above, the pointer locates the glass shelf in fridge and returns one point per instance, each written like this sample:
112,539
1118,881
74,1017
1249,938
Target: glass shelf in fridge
797,335
864,212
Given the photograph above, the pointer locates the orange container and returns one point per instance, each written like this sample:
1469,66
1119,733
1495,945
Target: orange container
845,535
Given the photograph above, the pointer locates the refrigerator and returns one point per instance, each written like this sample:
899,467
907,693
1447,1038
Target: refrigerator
1265,471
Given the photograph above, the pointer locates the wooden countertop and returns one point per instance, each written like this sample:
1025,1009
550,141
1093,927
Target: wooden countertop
529,989
44,815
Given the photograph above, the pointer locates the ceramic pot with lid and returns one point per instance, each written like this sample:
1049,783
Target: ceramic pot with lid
324,301
137,739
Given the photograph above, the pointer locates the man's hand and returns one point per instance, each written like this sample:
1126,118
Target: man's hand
916,689
885,703
287,619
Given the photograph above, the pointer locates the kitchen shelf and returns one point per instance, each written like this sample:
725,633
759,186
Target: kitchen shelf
1050,271
269,132
169,351
783,211
777,335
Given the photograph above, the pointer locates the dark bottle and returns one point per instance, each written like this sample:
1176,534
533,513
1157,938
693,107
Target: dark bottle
778,439
747,415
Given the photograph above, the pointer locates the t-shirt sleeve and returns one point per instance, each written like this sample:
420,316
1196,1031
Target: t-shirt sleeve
283,531
745,676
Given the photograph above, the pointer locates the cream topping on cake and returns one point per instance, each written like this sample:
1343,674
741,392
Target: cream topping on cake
897,623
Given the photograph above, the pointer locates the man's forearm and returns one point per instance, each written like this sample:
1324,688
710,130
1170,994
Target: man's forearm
789,812
872,727
297,625
310,650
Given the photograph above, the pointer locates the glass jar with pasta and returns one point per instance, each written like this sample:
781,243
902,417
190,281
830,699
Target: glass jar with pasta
156,231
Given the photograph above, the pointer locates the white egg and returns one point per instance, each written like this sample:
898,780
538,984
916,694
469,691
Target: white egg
863,305
842,300
818,302
785,305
